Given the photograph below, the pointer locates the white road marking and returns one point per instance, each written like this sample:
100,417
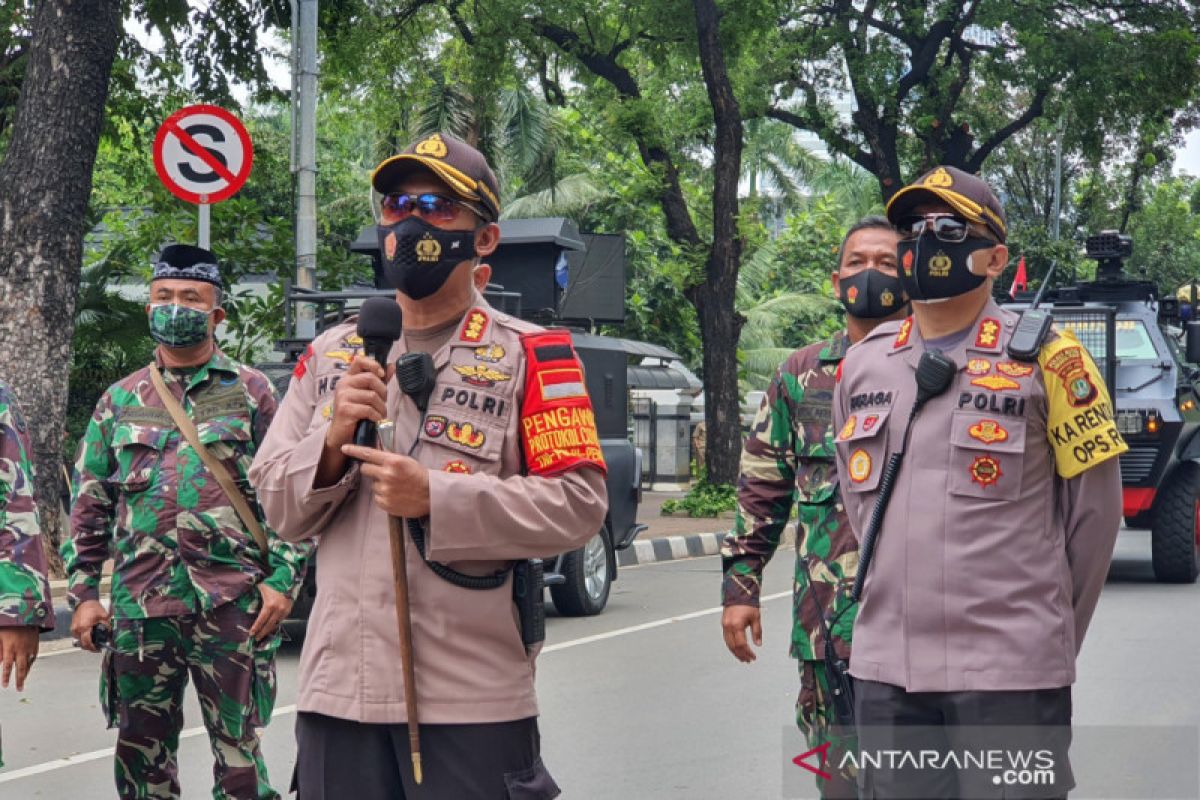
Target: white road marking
96,755
645,626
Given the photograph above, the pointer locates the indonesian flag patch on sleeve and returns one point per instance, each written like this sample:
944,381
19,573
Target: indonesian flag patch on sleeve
558,425
302,363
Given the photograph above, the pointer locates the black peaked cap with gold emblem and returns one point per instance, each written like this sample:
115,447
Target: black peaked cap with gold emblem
456,163
967,194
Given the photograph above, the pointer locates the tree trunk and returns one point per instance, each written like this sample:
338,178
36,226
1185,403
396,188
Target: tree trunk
720,327
45,182
720,324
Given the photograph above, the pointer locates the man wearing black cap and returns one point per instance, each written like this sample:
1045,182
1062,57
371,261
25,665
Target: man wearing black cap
503,464
996,542
200,583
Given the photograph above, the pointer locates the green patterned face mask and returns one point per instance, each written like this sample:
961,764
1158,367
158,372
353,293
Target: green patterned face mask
174,325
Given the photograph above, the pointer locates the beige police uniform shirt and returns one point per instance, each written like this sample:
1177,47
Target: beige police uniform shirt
486,511
1001,527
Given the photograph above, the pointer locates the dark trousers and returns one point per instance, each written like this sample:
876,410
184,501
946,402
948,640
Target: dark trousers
981,744
341,759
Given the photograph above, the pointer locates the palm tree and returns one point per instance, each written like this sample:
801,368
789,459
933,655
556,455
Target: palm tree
520,134
769,312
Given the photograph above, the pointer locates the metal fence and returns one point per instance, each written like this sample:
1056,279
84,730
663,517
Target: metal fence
1096,330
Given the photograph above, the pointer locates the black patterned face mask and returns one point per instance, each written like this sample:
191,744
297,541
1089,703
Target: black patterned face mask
418,257
871,294
931,269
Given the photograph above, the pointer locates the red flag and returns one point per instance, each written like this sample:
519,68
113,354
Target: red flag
1020,281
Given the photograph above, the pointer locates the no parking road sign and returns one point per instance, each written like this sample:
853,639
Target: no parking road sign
203,154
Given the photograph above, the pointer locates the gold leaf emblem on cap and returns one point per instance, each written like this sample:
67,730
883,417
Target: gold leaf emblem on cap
433,146
428,249
939,179
939,265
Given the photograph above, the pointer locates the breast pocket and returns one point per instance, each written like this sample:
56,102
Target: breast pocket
139,451
863,439
987,455
228,440
816,479
461,443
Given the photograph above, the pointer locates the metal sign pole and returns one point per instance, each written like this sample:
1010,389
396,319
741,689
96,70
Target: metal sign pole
205,225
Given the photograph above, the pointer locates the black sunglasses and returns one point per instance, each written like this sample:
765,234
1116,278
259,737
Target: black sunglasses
436,207
945,227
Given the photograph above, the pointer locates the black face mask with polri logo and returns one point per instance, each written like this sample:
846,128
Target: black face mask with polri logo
871,294
931,269
418,257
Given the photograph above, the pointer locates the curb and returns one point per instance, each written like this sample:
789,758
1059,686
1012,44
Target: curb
674,548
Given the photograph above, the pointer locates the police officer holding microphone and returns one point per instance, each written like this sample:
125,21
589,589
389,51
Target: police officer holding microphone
494,459
992,552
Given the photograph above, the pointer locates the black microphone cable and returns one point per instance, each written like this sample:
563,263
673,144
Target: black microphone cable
416,377
935,372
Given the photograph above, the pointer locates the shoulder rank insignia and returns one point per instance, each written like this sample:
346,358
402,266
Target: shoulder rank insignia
905,332
474,326
989,333
480,375
558,425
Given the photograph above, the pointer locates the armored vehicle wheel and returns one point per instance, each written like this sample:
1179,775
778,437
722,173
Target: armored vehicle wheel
1174,542
589,578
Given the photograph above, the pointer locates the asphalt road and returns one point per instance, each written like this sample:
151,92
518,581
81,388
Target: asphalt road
644,701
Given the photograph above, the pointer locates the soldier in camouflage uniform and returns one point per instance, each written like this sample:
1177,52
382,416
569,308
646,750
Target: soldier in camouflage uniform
788,459
24,591
191,591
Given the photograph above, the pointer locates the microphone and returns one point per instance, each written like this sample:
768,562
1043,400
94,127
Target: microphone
416,377
380,323
935,373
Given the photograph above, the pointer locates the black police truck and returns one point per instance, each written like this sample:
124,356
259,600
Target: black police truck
547,272
1148,355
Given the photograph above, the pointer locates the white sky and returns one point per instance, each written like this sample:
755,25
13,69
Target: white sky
1187,158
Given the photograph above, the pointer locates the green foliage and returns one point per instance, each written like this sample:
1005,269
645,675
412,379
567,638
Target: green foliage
704,499
111,340
1166,235
948,82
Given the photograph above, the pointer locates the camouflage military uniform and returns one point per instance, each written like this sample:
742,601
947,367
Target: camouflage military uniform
24,590
185,573
789,459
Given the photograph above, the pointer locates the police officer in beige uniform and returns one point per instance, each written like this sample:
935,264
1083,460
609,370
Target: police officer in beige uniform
997,540
505,465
